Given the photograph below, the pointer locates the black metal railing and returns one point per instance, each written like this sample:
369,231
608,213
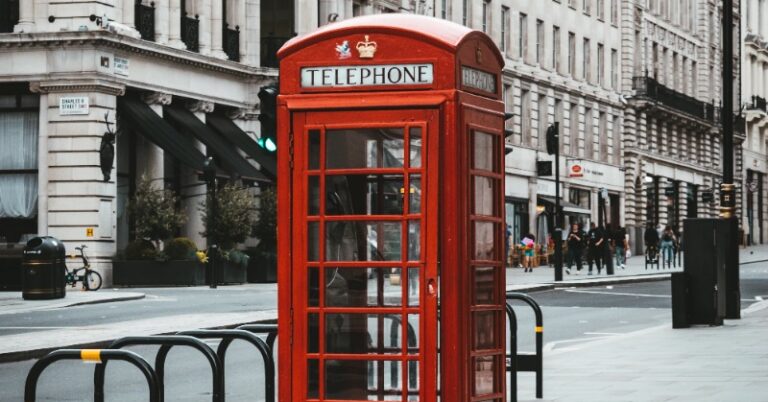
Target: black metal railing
269,47
9,15
144,19
758,103
650,88
190,32
232,43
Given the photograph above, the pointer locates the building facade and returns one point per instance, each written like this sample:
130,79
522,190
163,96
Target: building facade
754,67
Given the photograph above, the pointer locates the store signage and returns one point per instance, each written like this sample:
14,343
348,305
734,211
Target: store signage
575,170
121,65
367,75
73,105
478,79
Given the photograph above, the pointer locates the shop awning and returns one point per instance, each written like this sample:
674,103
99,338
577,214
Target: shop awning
157,130
565,205
235,135
226,154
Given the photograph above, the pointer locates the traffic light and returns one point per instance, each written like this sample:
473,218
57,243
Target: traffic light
268,117
552,138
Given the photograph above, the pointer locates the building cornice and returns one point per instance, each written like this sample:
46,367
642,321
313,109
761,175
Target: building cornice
78,85
666,160
105,39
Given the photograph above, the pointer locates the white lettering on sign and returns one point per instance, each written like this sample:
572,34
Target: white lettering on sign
72,105
121,65
478,79
353,76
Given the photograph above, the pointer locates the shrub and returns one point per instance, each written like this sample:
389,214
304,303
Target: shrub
237,257
181,248
140,249
235,216
266,227
155,212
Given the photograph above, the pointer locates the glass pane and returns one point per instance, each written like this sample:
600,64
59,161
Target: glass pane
313,379
366,380
484,245
483,151
485,289
363,287
485,196
363,241
414,241
364,148
363,333
359,194
413,380
313,155
413,334
314,287
415,143
414,202
313,338
485,375
413,287
313,195
485,330
313,241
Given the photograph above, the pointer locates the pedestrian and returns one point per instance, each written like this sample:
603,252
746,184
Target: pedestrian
668,241
507,244
607,250
596,238
651,238
575,241
620,245
529,249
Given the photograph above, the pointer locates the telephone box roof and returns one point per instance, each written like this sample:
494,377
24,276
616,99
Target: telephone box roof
439,32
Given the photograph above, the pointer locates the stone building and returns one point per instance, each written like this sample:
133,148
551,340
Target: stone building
163,70
671,64
754,67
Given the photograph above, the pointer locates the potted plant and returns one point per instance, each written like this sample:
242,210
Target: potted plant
263,267
233,223
145,262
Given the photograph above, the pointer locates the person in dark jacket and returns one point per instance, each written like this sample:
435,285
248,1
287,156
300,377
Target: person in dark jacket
651,238
595,244
575,241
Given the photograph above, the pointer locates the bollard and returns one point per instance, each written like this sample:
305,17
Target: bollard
100,356
528,362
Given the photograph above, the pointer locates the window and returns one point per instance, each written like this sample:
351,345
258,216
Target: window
655,60
586,6
9,15
588,134
579,197
694,79
525,117
504,28
542,140
673,82
616,132
600,64
556,48
522,37
571,54
485,16
615,12
601,9
614,69
602,136
573,128
540,42
585,61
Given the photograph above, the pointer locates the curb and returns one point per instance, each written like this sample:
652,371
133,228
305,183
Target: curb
22,355
110,300
65,304
584,283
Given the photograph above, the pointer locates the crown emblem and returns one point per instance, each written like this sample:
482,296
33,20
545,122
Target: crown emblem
366,49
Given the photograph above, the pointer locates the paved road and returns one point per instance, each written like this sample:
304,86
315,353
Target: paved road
571,316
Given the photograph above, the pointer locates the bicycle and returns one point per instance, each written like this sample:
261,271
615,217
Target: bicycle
91,279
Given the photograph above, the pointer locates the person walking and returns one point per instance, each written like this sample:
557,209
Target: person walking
575,241
529,250
620,246
668,241
651,238
596,238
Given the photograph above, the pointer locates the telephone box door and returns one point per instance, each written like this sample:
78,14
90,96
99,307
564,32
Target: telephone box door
364,291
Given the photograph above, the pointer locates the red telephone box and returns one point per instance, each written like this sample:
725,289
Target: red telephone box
391,191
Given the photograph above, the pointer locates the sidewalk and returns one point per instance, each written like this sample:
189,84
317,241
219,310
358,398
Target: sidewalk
726,363
544,277
13,303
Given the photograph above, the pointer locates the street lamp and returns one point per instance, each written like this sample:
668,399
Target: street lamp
209,171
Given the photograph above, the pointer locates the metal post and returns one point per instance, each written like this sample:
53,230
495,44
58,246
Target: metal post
728,188
213,250
558,232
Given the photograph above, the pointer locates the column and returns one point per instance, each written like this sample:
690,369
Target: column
154,166
217,29
751,16
174,25
194,190
203,10
241,22
162,15
129,11
26,17
764,72
251,35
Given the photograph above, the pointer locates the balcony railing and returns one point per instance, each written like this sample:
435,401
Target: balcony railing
145,20
650,88
758,103
9,15
269,47
232,43
190,32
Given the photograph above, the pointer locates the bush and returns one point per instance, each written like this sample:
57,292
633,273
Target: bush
237,257
140,250
266,227
181,248
235,216
155,212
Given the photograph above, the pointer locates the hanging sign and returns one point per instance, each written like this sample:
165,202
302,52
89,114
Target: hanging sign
367,75
73,105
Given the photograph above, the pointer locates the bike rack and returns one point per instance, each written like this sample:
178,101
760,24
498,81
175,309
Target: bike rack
533,362
165,342
229,335
97,356
269,329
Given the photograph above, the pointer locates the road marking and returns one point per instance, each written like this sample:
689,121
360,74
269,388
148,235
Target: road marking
603,333
597,292
18,328
550,346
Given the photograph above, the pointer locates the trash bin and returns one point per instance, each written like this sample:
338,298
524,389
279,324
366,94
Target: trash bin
43,269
